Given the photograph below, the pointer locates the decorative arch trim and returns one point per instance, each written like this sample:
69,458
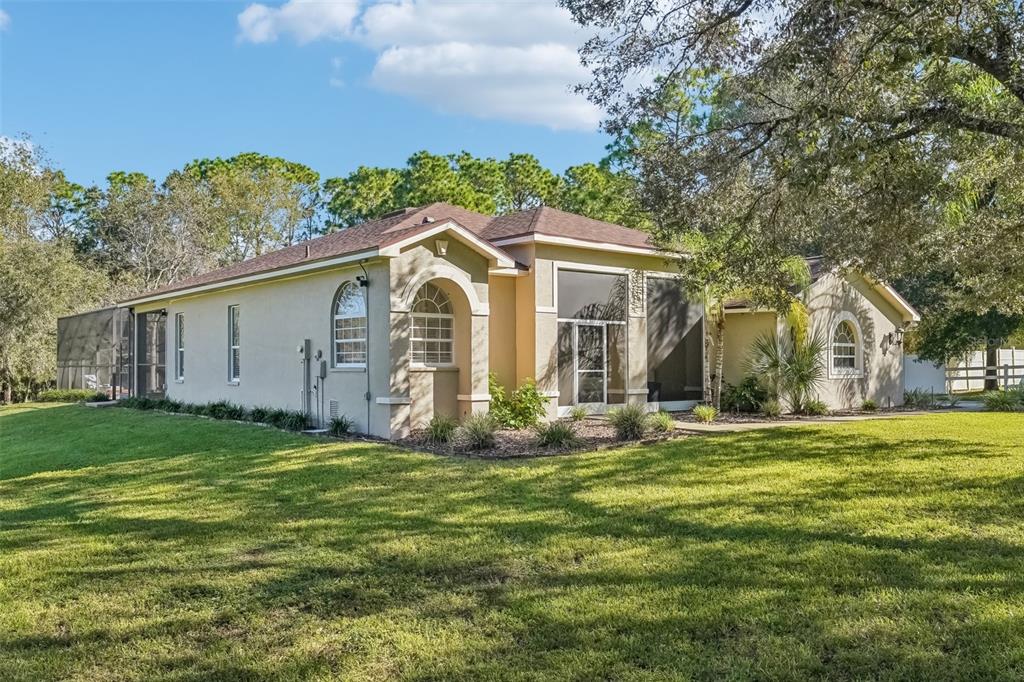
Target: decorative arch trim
440,271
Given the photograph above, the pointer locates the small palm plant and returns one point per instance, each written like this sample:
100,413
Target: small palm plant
789,368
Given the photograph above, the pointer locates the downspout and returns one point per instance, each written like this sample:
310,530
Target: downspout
364,282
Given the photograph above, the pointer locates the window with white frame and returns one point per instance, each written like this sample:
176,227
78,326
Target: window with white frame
234,344
845,358
350,326
179,346
432,325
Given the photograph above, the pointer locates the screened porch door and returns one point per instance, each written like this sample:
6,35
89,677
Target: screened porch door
589,346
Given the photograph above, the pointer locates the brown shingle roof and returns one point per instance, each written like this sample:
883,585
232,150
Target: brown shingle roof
399,225
553,222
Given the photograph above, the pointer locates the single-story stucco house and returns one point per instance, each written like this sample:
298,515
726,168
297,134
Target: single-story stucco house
397,319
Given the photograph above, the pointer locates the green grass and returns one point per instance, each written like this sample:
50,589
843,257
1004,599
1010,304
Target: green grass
141,546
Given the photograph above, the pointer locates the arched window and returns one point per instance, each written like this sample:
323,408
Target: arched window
846,358
349,326
432,320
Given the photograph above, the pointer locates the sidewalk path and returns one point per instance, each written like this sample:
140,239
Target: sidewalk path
736,427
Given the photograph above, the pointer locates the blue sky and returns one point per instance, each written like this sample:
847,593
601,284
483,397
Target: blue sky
149,86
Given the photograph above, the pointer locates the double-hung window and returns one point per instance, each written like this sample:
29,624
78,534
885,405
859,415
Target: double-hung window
234,344
432,327
350,327
179,346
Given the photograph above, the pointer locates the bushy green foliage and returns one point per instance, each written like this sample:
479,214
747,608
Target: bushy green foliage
259,415
660,422
71,395
629,421
560,433
138,403
479,431
521,410
290,420
771,408
168,405
341,425
222,409
578,413
816,408
745,396
1011,400
705,413
442,428
869,405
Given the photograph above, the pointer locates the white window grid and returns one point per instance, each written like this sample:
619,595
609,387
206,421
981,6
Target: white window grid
350,327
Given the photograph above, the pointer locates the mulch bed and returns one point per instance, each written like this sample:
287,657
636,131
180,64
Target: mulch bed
592,434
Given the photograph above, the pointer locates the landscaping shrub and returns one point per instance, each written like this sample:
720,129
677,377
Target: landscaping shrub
578,413
479,431
660,422
771,408
520,410
869,405
557,434
629,421
168,405
952,400
138,403
222,409
71,395
341,425
259,415
816,408
293,420
705,413
745,396
441,428
1003,401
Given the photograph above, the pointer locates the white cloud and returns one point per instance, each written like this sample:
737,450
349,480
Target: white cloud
525,84
428,22
498,60
5,20
303,20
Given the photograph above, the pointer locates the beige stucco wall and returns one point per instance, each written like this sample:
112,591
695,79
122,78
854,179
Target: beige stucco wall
502,330
827,301
740,331
882,379
275,318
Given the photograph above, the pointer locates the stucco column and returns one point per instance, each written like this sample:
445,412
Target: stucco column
546,368
636,345
398,399
479,398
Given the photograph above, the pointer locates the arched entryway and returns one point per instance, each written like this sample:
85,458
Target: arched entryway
447,351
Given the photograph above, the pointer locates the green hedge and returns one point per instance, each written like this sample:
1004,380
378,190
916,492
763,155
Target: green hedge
71,395
290,420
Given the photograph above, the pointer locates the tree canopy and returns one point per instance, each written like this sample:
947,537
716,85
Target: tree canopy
486,185
886,135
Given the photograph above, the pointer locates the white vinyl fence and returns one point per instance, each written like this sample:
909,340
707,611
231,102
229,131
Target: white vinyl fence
967,375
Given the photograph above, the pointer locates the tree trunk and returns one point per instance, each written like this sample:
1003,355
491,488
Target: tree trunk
991,360
719,358
709,347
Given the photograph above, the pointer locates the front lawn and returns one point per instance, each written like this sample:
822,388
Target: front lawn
147,546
